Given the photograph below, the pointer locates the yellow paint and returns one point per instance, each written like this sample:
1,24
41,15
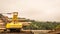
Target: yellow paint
14,25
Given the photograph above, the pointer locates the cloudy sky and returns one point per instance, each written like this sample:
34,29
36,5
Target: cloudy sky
42,10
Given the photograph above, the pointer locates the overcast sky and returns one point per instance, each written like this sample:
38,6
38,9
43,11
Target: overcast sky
42,10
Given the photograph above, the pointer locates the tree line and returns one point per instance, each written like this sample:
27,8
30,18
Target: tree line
35,25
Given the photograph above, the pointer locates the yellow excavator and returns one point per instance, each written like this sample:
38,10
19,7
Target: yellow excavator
14,25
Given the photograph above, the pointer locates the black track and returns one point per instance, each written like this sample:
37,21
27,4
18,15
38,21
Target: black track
21,32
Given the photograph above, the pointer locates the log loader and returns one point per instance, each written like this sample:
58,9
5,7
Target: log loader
14,25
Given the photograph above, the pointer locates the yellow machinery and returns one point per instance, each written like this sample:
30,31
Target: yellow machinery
14,25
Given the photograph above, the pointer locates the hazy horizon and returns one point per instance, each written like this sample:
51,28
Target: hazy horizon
41,10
